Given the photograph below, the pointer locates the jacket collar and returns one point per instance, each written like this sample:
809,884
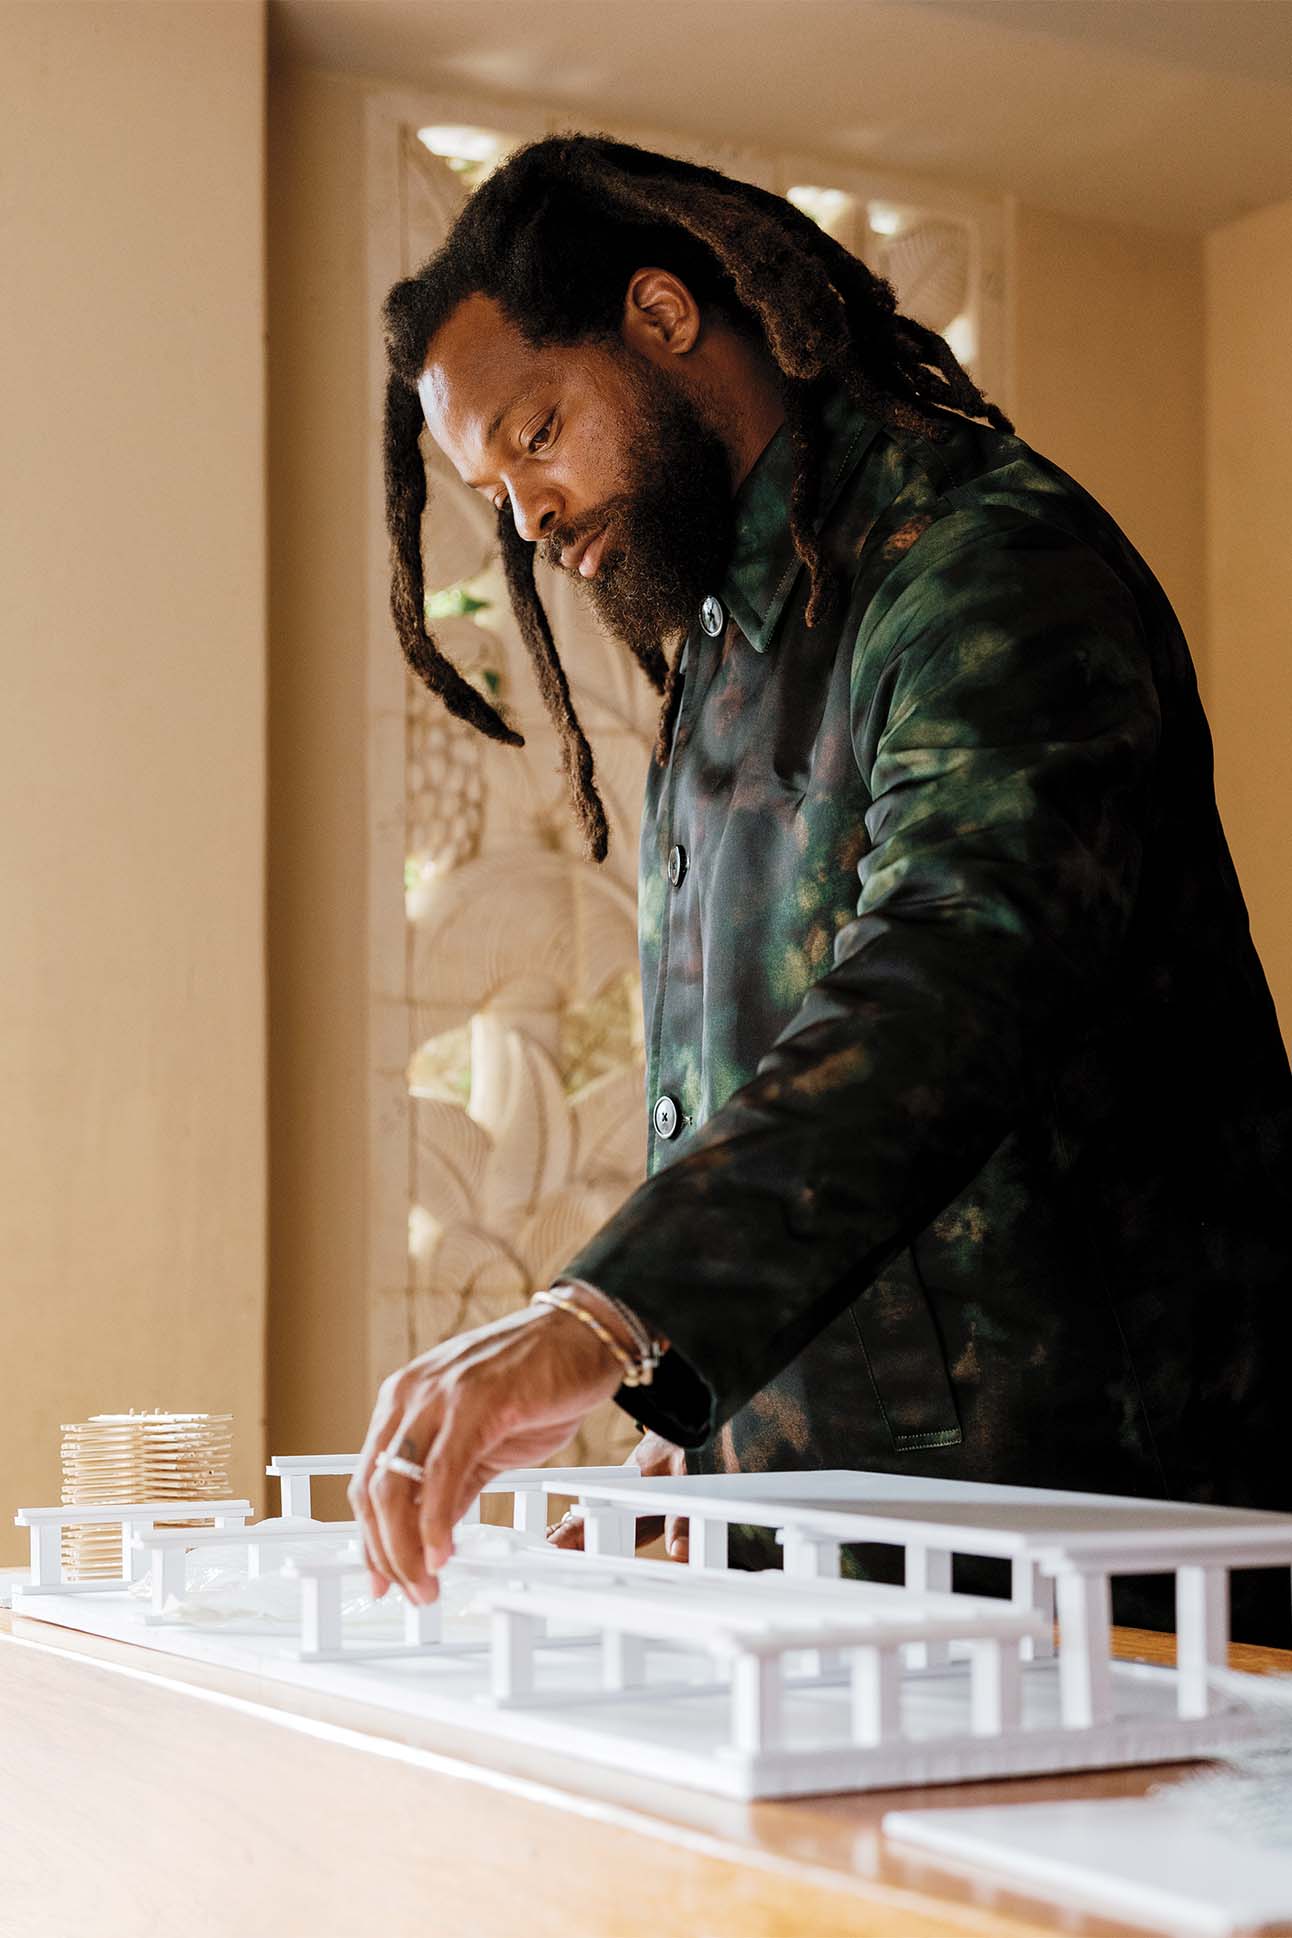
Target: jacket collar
764,566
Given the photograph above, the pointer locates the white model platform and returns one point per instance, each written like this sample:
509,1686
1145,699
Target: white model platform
754,1684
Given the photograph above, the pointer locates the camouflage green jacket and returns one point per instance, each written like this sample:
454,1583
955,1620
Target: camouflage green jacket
970,1119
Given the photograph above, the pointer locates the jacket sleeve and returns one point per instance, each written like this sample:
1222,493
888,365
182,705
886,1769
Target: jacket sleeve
1004,719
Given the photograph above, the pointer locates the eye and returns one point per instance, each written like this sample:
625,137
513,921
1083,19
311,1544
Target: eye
542,436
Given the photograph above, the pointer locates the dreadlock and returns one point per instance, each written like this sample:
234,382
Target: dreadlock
553,237
518,565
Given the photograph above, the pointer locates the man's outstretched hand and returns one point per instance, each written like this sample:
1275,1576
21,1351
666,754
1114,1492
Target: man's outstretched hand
651,1455
505,1395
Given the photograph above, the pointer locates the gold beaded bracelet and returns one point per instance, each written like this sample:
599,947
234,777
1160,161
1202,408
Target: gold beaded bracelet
637,1372
643,1339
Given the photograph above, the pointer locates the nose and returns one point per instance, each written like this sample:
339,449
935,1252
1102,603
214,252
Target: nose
534,511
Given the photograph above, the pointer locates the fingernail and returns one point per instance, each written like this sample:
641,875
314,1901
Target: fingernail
378,1586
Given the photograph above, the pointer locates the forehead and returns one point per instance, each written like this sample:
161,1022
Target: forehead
477,364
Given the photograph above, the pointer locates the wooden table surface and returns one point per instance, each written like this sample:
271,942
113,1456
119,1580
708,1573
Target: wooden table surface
144,1795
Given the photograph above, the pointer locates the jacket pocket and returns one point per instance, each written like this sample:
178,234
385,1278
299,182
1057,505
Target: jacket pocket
902,1349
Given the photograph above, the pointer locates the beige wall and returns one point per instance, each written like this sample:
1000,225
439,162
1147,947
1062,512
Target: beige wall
1108,374
1249,484
320,1394
132,758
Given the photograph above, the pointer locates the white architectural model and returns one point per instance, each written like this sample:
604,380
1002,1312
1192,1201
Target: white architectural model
768,1684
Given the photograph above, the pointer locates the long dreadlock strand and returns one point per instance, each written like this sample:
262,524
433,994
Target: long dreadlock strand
405,501
518,565
900,355
963,393
803,423
668,712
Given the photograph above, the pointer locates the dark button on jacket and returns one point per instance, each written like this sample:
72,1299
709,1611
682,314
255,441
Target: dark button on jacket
989,1171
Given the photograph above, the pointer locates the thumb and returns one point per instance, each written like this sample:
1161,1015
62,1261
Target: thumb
677,1537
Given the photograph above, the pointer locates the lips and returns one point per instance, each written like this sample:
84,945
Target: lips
586,558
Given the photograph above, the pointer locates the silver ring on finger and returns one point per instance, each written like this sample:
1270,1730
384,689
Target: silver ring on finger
398,1465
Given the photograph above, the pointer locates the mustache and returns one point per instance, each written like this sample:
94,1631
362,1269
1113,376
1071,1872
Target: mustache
620,508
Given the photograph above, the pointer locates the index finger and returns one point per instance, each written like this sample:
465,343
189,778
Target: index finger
381,1431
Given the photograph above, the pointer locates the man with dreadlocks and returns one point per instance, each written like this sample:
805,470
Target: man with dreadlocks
969,1119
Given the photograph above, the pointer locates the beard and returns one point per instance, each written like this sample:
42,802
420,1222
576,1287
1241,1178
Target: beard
672,524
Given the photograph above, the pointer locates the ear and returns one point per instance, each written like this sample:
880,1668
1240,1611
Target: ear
661,317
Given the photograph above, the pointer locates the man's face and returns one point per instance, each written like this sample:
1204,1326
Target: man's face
610,468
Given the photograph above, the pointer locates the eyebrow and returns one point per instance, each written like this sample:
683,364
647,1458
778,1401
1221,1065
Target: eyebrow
505,411
474,484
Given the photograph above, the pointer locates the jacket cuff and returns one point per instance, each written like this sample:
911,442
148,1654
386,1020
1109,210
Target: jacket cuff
679,1403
